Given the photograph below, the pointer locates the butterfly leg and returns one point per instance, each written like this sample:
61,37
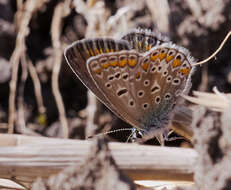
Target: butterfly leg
166,133
133,135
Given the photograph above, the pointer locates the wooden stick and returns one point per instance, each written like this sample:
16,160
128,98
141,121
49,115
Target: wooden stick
26,158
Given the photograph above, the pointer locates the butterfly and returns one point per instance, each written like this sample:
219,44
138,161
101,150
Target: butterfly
139,77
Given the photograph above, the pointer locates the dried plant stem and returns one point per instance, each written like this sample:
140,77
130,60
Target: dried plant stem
210,100
20,123
61,10
23,18
29,157
37,87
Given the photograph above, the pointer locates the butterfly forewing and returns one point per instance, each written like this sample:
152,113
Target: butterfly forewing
79,52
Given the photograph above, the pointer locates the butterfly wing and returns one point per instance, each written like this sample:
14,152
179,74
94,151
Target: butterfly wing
138,86
143,40
79,52
112,74
164,74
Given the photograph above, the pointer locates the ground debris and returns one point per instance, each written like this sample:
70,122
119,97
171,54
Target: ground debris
98,172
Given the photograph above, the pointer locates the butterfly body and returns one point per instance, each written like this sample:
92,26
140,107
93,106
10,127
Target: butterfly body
140,79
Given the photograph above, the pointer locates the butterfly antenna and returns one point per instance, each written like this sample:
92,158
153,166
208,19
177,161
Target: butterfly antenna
216,52
109,132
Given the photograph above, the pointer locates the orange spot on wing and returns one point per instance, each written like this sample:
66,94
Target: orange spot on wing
176,63
162,56
101,50
109,50
131,62
98,71
137,75
154,57
122,62
145,66
105,65
113,63
97,52
169,58
148,47
184,71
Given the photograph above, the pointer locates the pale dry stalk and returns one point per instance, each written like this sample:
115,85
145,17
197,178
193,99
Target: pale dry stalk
24,16
61,10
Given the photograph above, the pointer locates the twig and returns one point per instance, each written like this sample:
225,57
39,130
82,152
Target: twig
23,17
20,123
37,87
61,10
27,158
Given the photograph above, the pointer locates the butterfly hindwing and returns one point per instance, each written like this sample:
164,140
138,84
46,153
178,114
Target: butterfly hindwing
112,74
143,40
165,74
138,85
